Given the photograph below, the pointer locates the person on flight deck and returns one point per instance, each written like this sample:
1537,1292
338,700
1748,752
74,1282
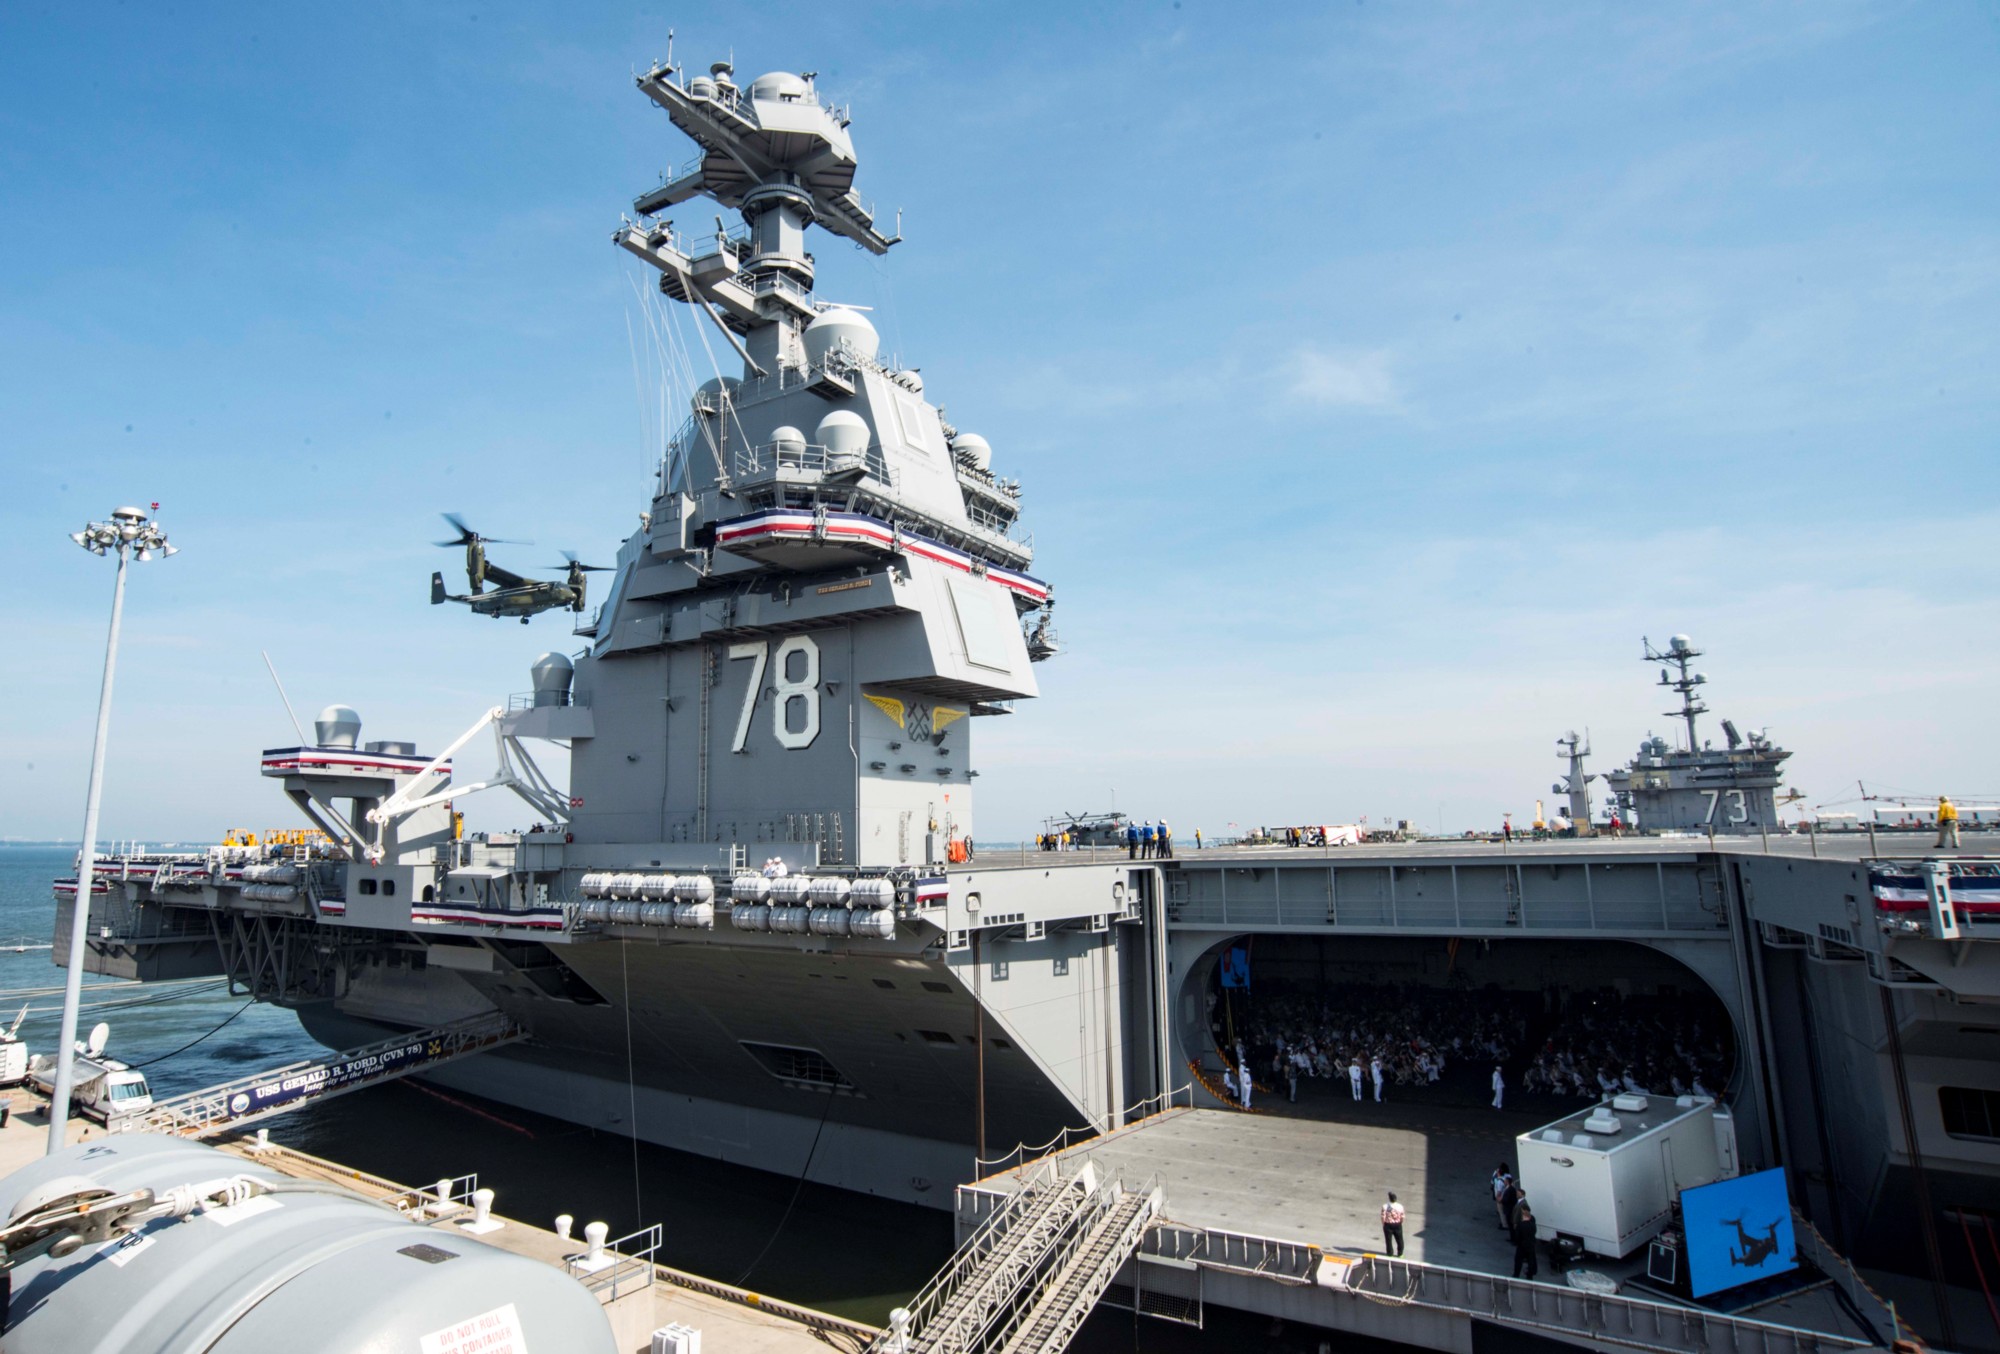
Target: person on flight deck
1131,841
1947,816
1146,842
1163,844
1392,1226
1197,839
1524,1242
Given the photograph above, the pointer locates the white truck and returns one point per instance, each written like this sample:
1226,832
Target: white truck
1609,1175
101,1088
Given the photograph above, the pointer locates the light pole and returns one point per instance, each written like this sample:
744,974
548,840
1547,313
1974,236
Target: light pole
129,532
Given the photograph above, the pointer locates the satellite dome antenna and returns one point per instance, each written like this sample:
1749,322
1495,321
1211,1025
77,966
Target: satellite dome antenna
1680,652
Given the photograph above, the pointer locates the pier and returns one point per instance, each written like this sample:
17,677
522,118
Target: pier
639,1296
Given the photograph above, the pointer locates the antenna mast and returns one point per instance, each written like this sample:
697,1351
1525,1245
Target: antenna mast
1680,652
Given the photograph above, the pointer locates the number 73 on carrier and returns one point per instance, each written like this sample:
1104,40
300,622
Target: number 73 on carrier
1739,809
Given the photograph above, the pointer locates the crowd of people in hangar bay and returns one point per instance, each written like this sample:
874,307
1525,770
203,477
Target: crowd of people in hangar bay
1378,1041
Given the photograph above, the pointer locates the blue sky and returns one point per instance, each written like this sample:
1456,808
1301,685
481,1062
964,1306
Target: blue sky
1378,374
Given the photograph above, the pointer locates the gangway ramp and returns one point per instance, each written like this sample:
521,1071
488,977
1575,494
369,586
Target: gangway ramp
1028,1277
1079,1280
233,1104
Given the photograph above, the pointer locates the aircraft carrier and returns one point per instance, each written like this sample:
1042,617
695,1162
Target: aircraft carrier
752,924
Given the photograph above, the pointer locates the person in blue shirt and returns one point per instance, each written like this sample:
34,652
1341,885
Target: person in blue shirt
1146,842
1131,841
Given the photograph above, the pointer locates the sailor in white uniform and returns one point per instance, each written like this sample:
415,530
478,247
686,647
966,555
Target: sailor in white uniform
1375,1071
1499,1086
1354,1076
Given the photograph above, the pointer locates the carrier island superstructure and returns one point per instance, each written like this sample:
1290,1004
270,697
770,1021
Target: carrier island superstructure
749,925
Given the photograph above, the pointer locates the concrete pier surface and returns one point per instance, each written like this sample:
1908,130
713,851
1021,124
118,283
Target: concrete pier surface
731,1320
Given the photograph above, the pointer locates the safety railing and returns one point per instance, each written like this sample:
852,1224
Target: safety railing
1557,1308
810,458
764,283
1022,1154
536,700
447,1198
986,1273
1237,1252
1083,1273
632,1264
1612,1318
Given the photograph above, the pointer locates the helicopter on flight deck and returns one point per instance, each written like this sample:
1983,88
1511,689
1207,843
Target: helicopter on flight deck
512,594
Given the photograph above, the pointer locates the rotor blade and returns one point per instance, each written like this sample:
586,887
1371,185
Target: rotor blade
466,535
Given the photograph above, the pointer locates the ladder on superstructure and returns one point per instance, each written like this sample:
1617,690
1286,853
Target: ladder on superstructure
1031,1274
233,1104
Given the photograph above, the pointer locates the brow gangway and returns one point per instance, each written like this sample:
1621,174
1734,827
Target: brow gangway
1029,1276
245,1100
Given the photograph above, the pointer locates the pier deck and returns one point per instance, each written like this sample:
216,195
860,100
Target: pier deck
732,1321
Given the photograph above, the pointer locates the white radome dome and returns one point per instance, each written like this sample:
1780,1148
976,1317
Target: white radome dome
975,449
338,726
836,324
788,440
775,86
842,432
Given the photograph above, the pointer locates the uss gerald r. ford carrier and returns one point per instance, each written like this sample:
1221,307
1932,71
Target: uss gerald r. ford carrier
752,926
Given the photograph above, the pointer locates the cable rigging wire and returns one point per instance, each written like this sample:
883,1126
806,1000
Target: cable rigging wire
192,1042
797,1190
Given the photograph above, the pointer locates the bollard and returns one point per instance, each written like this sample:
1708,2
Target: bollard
443,1193
899,1331
595,1258
482,1214
263,1143
563,1223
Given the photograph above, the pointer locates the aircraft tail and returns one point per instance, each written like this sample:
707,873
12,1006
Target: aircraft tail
437,589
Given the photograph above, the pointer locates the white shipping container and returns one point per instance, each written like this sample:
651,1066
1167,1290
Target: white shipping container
1608,1175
